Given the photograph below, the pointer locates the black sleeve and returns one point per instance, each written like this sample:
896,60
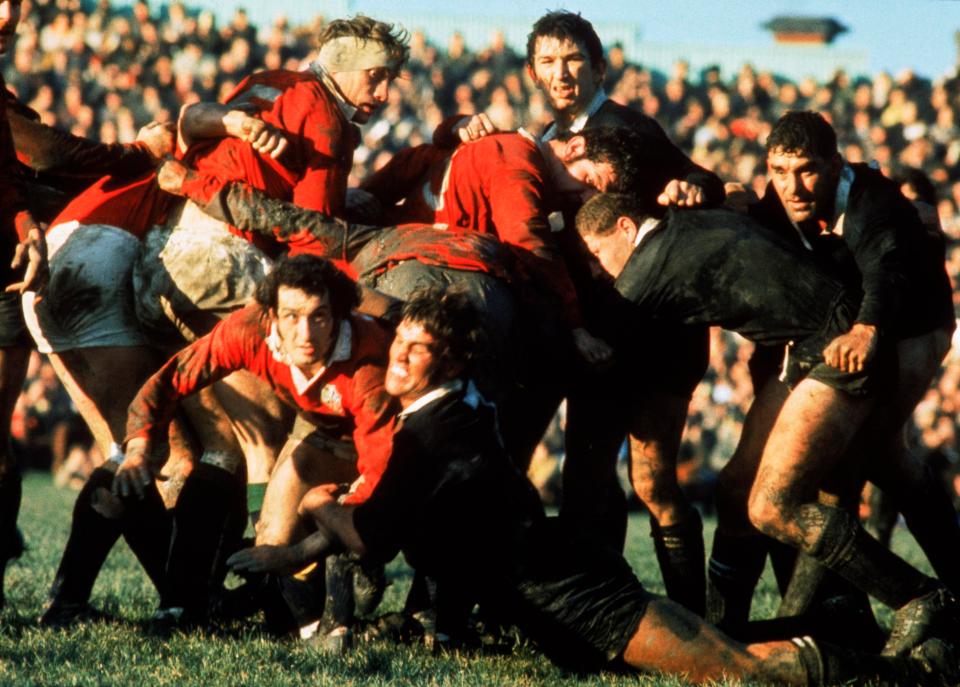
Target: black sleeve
383,518
879,257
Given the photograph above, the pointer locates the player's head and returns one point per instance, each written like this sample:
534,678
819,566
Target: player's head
804,165
363,56
307,299
9,18
565,60
439,338
609,224
604,159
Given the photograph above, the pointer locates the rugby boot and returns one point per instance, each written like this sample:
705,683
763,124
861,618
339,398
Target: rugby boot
827,664
935,614
680,554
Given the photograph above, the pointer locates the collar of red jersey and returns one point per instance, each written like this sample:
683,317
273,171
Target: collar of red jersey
345,107
580,121
341,352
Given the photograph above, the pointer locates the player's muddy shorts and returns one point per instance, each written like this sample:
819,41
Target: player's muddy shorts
190,277
805,359
579,602
88,301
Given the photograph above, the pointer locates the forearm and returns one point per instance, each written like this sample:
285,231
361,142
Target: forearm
47,149
210,120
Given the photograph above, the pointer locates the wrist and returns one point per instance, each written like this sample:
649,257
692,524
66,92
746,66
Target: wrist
233,123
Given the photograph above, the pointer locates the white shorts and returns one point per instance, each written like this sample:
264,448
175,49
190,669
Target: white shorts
88,302
192,275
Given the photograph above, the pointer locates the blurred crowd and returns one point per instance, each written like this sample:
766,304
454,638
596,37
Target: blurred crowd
102,72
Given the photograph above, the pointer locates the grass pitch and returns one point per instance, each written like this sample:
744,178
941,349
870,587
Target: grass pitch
122,652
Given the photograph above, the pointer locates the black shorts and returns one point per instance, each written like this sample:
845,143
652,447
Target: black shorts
581,603
806,360
13,330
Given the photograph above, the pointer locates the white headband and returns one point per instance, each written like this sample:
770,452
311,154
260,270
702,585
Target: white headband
350,54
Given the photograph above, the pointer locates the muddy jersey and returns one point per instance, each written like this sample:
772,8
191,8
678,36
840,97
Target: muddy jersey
361,251
717,267
498,185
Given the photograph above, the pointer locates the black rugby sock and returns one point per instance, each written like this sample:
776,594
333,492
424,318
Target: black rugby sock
146,528
844,547
736,563
11,491
207,528
680,553
92,535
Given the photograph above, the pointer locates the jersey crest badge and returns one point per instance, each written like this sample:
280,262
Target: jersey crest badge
330,397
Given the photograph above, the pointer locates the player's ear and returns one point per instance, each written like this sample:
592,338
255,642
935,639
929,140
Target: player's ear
576,148
627,228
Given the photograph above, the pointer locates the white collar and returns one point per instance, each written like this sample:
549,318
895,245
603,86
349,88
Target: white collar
580,121
648,225
472,397
341,352
346,108
835,226
434,395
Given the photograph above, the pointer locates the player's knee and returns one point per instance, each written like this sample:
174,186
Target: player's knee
764,514
317,497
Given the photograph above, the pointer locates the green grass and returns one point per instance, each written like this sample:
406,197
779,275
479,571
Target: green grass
122,653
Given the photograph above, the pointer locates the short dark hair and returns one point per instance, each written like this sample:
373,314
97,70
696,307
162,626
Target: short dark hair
563,24
803,132
623,149
454,322
598,216
313,275
394,38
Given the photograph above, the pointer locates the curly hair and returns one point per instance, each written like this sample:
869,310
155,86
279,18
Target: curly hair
563,24
803,132
457,327
394,38
313,275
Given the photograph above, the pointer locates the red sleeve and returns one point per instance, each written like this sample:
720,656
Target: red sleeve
516,197
230,346
14,216
373,432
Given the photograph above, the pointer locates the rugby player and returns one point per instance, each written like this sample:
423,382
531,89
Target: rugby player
581,603
719,268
